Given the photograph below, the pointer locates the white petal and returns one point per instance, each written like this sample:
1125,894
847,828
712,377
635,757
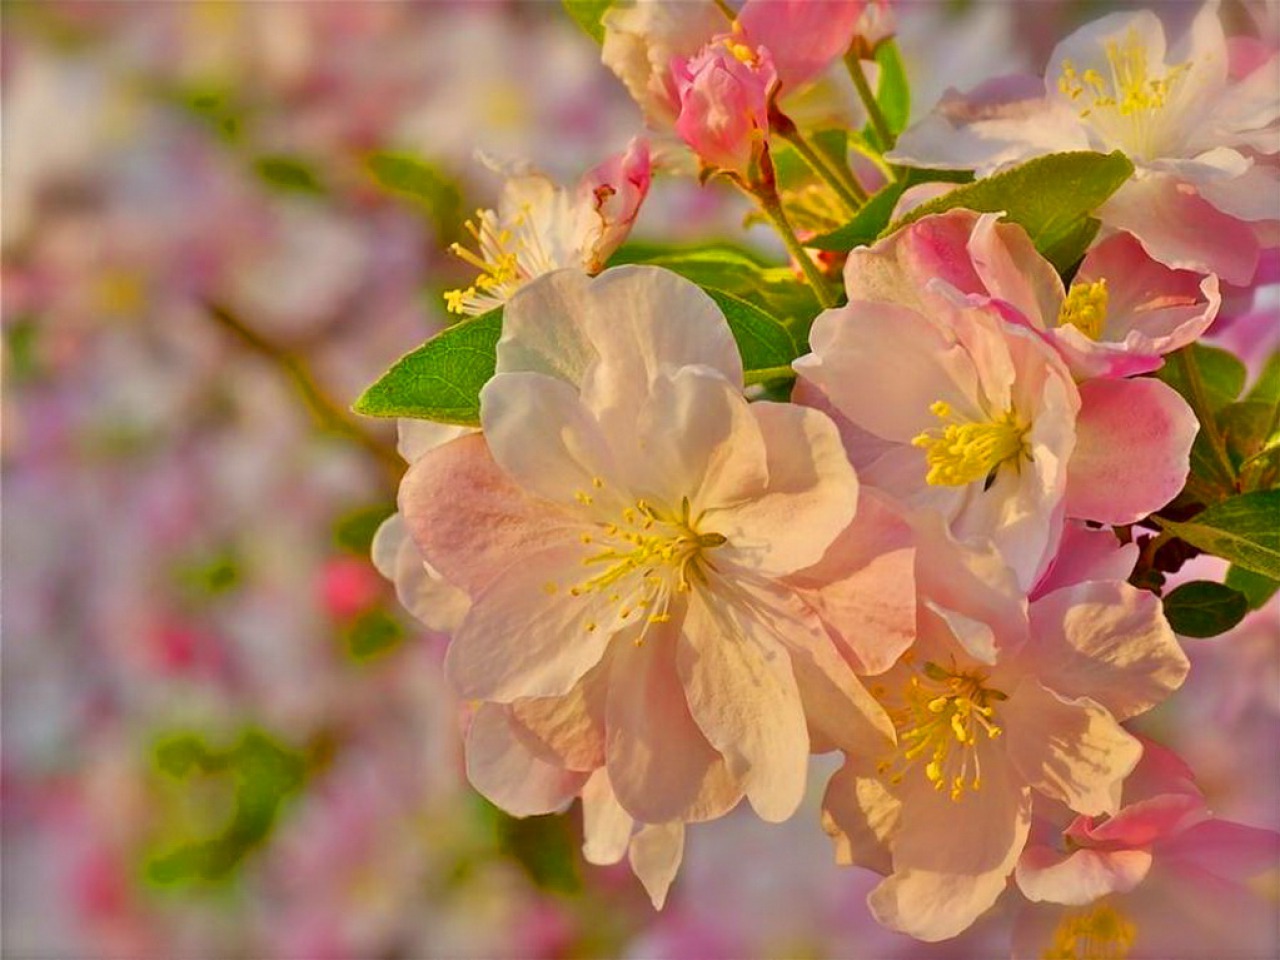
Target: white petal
606,827
508,773
656,852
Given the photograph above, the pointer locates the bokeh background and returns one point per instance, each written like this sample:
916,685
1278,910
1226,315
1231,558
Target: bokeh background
221,737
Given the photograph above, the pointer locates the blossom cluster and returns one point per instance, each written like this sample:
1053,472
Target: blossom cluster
917,501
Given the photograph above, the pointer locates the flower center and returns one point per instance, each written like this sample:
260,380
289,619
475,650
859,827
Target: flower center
967,450
507,256
646,557
1097,932
1130,93
1086,308
942,715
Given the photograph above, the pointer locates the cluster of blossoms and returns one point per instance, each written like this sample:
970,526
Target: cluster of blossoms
928,541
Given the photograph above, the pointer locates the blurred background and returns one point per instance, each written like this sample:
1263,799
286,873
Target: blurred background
221,737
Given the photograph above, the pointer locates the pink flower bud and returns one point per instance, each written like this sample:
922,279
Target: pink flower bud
803,36
615,190
724,96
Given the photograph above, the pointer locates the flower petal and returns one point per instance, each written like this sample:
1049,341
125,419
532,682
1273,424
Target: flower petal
660,764
952,859
606,827
1109,641
1133,450
811,495
473,539
743,695
1069,749
1080,877
860,815
519,640
569,729
423,592
864,587
502,768
656,852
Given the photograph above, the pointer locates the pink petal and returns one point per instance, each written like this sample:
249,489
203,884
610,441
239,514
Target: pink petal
660,764
1086,553
509,774
864,587
952,859
1183,230
656,852
568,730
1109,641
523,639
1010,269
1069,749
804,36
472,539
811,495
606,827
1080,877
861,816
743,695
1133,450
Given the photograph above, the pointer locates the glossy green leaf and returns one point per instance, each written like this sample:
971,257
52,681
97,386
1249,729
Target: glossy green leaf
440,380
1051,197
1203,608
1221,373
870,222
766,346
1243,529
893,90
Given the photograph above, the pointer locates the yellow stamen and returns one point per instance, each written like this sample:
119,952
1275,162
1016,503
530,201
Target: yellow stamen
940,716
1096,932
967,450
1086,308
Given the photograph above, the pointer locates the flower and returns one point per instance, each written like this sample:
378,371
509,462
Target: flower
989,721
628,525
540,227
952,405
1160,878
724,105
1122,313
1202,132
649,44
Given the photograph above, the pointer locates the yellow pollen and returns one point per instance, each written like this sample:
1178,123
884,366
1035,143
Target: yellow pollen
1130,89
550,588
1086,308
1096,932
741,52
506,256
967,450
641,563
939,721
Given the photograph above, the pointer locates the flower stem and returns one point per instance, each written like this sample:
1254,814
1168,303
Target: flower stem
327,412
1204,413
868,98
772,208
841,181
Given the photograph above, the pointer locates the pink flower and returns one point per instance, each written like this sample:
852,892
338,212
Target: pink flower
724,95
624,529
990,717
649,44
951,405
1159,878
1202,132
1123,312
540,227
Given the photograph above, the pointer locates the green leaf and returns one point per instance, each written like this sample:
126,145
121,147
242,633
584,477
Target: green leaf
587,14
893,91
1243,529
1250,432
1256,588
373,632
354,531
289,174
766,346
722,266
1203,608
420,181
1051,197
1222,375
441,380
